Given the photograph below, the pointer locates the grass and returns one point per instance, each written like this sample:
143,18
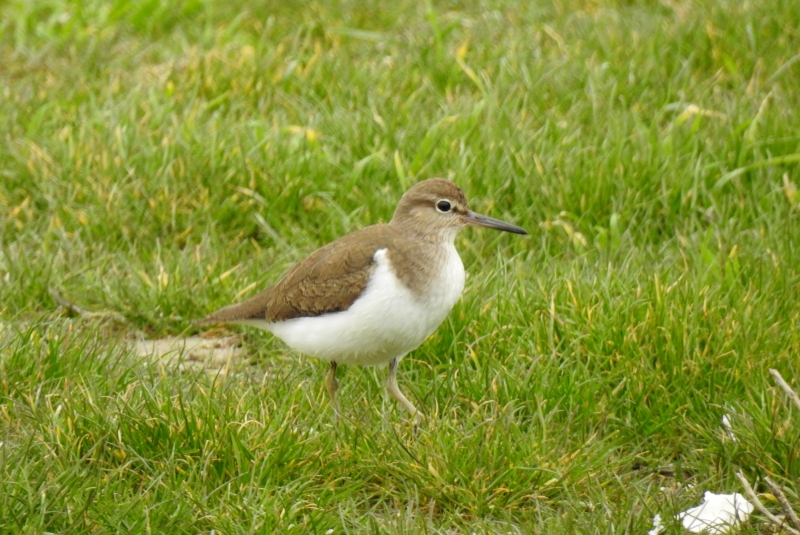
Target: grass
159,159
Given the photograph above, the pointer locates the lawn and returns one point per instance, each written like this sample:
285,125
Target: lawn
160,159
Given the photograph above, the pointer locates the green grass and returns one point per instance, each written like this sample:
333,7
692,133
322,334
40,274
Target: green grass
158,159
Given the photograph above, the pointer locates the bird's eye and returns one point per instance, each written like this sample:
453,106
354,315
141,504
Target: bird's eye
443,206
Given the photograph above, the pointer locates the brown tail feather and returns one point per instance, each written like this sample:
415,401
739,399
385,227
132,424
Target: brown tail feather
253,308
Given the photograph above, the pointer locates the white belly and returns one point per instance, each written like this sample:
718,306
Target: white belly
387,321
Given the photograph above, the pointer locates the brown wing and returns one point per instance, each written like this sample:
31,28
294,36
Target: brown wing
329,280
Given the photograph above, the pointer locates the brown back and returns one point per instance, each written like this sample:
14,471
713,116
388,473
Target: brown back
329,280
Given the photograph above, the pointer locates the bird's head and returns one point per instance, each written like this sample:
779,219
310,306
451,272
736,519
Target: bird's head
438,209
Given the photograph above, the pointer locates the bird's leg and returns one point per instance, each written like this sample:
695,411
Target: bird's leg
394,391
332,384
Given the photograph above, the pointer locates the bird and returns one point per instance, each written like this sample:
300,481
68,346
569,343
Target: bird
376,294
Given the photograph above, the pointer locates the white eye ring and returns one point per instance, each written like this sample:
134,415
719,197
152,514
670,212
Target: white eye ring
443,206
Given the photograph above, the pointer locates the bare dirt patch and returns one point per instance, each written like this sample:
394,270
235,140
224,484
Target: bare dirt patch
193,352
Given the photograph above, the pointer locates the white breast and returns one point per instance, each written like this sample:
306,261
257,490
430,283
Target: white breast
385,322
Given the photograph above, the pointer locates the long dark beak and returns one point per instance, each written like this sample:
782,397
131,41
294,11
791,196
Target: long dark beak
485,221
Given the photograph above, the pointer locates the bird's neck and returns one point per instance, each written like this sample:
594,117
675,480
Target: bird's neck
437,236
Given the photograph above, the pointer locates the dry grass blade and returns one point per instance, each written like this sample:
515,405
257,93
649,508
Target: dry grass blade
77,310
776,490
71,306
787,508
785,387
780,523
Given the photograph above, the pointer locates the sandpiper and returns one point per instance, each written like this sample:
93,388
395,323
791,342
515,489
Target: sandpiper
373,295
